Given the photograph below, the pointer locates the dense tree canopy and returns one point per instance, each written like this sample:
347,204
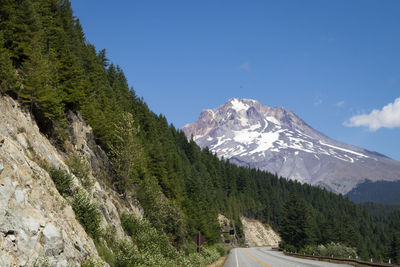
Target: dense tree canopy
296,223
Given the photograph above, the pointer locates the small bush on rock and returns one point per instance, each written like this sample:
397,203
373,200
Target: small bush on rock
80,169
87,213
91,263
62,180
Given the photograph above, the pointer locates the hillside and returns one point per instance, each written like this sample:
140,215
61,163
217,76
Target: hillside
37,223
137,187
379,192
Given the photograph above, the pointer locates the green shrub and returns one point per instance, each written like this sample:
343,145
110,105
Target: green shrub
126,255
91,263
193,259
87,213
146,237
62,180
290,248
190,247
339,251
308,250
153,247
105,252
80,169
164,215
222,250
129,255
210,254
336,250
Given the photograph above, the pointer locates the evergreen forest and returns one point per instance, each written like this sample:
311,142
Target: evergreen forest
47,64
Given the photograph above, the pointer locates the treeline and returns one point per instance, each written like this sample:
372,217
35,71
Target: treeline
387,217
47,64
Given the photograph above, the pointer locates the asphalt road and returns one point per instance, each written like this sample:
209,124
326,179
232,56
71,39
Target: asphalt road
265,257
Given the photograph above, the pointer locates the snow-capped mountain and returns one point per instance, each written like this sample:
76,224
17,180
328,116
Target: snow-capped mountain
275,139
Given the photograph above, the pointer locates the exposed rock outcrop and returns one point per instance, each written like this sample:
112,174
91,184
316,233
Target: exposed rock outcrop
36,222
258,235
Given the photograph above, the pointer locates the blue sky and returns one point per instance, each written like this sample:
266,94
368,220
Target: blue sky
327,61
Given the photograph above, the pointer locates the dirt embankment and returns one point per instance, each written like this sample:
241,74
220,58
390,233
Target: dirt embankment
258,234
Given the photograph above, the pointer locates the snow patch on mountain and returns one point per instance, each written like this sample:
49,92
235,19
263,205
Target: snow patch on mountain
238,105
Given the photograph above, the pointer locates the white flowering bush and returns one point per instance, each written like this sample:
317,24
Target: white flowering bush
337,250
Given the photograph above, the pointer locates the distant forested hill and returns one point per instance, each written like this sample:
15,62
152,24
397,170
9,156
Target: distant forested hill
48,65
378,192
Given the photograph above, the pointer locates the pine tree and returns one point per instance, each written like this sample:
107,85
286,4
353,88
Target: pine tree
125,151
70,80
8,79
19,23
38,90
295,229
395,248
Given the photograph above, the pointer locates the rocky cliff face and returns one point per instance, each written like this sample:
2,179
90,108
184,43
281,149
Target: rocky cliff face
259,235
36,223
277,140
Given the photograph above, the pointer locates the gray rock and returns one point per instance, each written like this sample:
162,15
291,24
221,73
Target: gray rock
1,167
5,260
62,263
19,196
53,241
7,188
31,225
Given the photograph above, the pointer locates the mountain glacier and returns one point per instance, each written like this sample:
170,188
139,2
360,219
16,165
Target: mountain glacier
277,140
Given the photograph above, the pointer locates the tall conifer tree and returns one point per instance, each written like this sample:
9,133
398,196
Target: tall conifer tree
296,224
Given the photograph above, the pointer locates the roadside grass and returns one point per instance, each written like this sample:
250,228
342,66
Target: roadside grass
220,262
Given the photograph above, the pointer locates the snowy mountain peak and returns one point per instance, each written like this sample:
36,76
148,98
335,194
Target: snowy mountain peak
277,140
241,104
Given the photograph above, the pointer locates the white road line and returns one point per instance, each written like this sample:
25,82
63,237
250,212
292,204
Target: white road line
237,262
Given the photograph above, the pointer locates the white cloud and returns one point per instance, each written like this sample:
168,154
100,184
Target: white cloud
387,117
340,104
245,66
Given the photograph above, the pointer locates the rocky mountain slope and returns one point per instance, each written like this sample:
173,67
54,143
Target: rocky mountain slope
275,139
37,224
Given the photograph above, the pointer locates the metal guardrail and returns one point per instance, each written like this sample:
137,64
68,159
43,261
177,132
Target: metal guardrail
362,263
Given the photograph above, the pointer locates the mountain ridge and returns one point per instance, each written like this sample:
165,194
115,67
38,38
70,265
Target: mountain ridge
277,140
